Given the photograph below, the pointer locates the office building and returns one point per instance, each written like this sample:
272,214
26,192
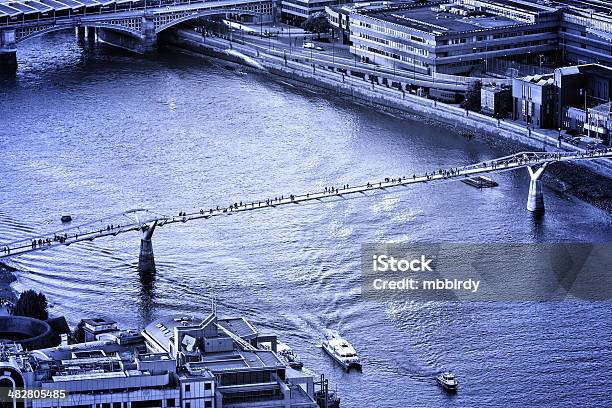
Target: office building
573,98
469,37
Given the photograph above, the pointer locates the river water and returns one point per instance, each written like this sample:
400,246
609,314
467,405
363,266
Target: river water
95,131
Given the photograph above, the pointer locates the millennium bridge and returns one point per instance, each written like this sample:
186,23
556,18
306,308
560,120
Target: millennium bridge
129,24
146,221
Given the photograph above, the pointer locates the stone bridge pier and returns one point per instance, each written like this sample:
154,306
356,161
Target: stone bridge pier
145,43
8,49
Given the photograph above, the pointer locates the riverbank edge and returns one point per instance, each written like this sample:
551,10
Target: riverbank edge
564,177
7,277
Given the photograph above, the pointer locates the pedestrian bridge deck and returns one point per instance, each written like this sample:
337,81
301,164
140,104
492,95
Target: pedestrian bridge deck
143,219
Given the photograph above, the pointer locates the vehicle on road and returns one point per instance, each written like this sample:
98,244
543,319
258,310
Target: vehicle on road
308,45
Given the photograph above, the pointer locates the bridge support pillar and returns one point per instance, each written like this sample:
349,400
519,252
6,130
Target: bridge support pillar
146,260
144,43
535,199
91,34
149,42
81,32
8,50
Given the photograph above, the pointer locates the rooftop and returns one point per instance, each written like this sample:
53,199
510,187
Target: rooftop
540,80
439,22
587,69
528,6
99,322
599,6
605,109
163,328
238,359
239,326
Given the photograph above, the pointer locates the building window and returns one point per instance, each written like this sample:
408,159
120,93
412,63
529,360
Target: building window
187,387
170,402
207,386
147,404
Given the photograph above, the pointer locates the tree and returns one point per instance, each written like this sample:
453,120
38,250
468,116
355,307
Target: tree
472,96
32,304
78,335
317,23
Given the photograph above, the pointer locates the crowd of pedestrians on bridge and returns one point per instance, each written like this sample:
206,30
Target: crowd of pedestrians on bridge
334,191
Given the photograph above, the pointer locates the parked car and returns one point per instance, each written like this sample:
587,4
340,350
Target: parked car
574,141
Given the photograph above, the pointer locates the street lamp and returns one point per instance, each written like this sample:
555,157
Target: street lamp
333,52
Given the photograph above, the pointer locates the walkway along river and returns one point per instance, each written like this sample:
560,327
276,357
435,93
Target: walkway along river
93,131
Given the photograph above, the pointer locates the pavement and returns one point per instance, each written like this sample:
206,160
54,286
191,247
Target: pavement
291,40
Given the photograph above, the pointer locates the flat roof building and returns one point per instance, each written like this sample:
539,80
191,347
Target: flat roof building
185,361
449,37
473,36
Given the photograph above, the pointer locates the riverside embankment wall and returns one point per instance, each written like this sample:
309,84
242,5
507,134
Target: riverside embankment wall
374,93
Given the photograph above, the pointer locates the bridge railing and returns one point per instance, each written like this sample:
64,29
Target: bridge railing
101,10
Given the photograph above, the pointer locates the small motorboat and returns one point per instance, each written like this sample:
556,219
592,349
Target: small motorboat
287,354
480,182
447,381
329,399
66,218
341,351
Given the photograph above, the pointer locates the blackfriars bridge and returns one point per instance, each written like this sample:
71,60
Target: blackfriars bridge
146,221
130,24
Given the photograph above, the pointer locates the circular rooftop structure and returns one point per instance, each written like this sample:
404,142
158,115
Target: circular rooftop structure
29,332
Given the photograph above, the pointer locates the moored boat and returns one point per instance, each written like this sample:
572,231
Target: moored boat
66,218
480,182
331,400
287,354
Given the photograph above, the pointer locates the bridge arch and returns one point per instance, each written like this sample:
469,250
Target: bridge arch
56,28
204,13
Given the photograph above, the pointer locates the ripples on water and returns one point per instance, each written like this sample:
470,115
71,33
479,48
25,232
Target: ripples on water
96,131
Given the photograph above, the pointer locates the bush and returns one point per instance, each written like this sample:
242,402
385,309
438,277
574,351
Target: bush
32,304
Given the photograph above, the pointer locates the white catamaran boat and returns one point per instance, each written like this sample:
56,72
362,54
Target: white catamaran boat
341,351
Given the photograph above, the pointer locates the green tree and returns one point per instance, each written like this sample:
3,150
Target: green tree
32,304
317,23
472,96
